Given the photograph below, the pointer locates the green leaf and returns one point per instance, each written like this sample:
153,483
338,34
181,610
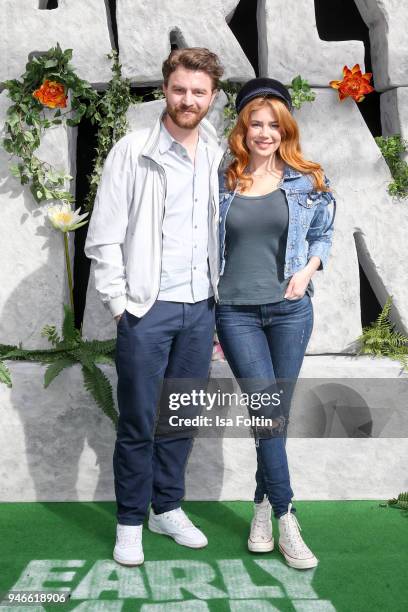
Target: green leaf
51,63
28,137
5,376
99,386
55,368
50,332
104,359
69,331
67,55
297,82
15,171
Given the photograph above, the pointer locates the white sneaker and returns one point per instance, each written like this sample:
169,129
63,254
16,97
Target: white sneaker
291,544
261,539
128,549
178,526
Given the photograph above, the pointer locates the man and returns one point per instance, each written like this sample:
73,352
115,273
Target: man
154,239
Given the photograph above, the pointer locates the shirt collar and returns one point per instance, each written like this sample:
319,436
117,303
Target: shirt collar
166,140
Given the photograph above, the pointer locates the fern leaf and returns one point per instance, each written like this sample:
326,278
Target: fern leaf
383,317
5,376
82,356
399,340
44,356
104,359
69,332
6,348
400,502
50,332
100,346
99,386
381,340
55,368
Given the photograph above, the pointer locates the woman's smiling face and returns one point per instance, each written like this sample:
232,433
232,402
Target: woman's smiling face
263,136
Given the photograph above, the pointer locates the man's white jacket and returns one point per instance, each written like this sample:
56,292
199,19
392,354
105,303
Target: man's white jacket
125,231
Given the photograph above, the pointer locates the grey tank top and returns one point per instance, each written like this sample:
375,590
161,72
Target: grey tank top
256,235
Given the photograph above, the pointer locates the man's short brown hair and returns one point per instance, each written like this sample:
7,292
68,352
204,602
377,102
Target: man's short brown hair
194,58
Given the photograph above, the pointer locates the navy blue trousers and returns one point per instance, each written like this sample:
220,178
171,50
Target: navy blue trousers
172,340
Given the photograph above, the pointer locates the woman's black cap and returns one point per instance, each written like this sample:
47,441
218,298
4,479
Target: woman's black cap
262,87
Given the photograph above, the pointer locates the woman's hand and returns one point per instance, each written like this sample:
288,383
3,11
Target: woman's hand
299,281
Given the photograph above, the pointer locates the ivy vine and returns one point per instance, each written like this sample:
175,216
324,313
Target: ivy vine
110,116
28,118
392,148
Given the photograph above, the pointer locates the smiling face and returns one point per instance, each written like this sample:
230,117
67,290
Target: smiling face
263,136
189,94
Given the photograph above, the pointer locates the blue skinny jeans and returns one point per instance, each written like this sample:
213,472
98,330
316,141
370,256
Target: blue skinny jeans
263,344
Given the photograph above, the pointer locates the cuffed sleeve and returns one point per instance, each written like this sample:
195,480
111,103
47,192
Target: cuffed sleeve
107,228
320,233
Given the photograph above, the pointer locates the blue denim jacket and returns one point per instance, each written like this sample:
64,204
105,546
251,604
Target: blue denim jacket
311,217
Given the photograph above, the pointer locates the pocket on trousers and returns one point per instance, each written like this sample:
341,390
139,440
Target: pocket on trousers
296,299
118,324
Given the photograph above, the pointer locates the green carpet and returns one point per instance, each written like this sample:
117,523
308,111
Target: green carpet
362,547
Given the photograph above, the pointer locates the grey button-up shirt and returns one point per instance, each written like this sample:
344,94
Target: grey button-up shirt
185,274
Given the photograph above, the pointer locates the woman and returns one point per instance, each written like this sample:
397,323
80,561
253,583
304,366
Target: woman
276,224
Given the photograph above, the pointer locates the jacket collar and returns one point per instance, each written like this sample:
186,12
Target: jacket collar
290,173
207,132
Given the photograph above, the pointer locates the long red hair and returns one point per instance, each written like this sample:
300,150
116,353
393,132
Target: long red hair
289,149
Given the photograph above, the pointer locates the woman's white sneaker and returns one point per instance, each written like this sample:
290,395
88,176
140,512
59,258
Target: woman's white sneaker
261,538
291,544
178,526
128,548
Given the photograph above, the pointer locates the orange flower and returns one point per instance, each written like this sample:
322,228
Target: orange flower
51,94
354,83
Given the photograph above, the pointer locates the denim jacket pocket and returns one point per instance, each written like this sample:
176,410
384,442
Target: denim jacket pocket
307,199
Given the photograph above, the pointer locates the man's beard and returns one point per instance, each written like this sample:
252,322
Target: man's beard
183,121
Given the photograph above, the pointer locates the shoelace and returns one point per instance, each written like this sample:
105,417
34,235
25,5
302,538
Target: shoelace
125,538
260,522
293,530
179,518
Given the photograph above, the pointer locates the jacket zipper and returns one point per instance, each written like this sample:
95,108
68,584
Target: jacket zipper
163,172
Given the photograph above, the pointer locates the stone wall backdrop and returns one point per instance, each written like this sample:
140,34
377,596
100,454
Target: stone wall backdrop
55,443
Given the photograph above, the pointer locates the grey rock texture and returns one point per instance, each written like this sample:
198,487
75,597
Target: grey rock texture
289,44
145,42
388,22
81,26
34,286
394,112
367,217
48,435
57,445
